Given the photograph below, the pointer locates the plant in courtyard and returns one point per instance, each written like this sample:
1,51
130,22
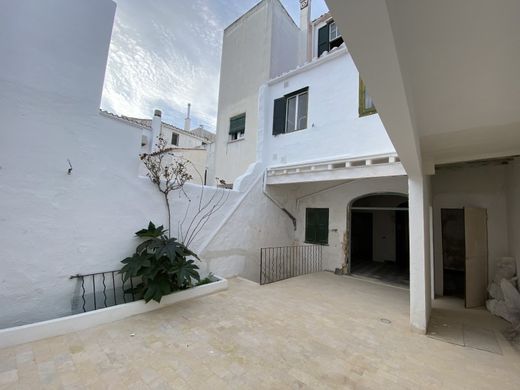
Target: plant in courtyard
167,172
161,263
170,173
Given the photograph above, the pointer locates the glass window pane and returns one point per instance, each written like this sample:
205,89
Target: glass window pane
369,104
333,31
302,110
290,124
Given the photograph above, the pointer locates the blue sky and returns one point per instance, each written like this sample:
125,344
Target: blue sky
166,53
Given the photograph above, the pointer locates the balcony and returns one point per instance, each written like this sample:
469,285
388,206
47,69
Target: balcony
336,169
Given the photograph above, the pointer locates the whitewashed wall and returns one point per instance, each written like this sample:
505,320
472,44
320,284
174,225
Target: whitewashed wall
255,224
337,198
185,140
53,224
334,126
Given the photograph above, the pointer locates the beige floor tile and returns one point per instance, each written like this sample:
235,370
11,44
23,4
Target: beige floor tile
318,331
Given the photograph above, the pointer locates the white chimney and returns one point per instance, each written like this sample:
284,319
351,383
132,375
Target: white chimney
156,129
187,121
306,32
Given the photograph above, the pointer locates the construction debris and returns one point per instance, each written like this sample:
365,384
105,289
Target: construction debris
504,293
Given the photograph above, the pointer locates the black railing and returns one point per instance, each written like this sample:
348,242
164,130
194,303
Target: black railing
289,261
104,289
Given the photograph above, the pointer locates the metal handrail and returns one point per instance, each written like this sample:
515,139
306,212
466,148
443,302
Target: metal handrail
280,263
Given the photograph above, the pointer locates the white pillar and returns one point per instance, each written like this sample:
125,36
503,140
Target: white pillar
156,129
420,268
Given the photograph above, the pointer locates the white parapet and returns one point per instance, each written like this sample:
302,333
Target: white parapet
337,169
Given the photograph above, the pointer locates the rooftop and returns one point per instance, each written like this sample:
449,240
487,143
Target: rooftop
315,331
198,132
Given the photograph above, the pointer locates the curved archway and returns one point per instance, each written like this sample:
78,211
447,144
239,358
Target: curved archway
379,237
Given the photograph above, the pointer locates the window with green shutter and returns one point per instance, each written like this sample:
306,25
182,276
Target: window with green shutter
317,226
329,37
290,112
237,127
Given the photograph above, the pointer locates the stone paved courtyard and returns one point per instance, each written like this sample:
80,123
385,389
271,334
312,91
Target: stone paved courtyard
317,331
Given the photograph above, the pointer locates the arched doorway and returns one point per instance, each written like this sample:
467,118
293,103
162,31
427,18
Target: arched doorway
379,238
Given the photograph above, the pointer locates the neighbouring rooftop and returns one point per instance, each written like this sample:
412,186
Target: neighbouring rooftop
318,331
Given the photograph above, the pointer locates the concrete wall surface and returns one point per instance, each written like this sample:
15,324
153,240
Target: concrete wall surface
513,202
473,186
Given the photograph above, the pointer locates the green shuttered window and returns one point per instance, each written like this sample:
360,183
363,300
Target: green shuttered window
237,127
290,112
237,124
329,37
317,226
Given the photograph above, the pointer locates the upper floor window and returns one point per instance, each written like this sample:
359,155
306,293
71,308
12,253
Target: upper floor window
333,32
290,112
329,37
237,127
175,139
366,105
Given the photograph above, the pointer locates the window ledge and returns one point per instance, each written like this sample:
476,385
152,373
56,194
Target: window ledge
314,243
236,140
368,113
291,132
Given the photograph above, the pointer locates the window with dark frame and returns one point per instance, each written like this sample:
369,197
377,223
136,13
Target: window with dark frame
290,112
237,127
175,139
329,37
317,226
366,105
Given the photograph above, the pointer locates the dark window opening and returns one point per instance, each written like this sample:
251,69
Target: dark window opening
329,37
237,127
175,139
290,112
317,226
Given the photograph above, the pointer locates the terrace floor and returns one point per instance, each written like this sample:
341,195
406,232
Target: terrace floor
316,331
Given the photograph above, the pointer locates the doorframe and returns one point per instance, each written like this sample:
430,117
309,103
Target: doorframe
348,230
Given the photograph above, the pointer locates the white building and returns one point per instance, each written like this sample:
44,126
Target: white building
71,188
252,54
330,164
194,145
322,170
320,144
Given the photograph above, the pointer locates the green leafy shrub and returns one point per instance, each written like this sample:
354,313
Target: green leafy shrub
161,264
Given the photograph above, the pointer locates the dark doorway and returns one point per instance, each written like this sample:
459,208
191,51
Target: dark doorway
453,252
379,238
362,227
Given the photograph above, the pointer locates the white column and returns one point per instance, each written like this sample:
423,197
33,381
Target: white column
420,268
156,129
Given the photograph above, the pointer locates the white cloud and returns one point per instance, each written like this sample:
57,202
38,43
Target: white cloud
166,53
